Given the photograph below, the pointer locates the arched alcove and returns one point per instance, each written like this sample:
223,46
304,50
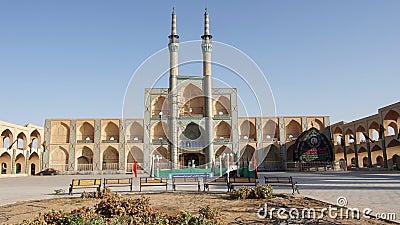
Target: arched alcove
293,130
6,138
222,107
135,132
60,132
247,130
110,159
85,132
110,132
223,131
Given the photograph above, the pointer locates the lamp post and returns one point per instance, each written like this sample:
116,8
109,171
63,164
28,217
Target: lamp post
152,166
158,164
220,164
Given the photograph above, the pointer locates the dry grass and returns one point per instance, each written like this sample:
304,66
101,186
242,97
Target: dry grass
233,211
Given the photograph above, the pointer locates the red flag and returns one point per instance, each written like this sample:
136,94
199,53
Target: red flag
255,166
134,169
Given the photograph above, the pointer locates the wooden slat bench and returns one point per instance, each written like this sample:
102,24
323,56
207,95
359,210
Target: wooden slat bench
282,181
152,181
218,181
185,181
84,183
241,181
113,182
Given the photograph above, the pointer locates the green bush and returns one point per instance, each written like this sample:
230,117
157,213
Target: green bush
259,192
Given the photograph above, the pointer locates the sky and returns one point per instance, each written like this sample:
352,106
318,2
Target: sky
74,59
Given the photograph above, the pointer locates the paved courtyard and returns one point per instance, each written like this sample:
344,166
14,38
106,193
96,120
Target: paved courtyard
379,191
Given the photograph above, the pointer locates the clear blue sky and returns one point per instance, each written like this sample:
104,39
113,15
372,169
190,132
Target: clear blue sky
74,58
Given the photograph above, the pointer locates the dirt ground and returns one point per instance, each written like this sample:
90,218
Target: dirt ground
233,211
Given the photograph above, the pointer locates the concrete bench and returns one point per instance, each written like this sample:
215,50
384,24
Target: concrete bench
241,181
84,184
152,181
218,181
185,181
113,182
282,181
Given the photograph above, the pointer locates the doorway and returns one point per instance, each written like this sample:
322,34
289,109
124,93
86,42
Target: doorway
33,169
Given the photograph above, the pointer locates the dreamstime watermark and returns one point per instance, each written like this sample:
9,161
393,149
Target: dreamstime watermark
334,212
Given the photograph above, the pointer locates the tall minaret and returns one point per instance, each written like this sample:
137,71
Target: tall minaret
173,47
206,47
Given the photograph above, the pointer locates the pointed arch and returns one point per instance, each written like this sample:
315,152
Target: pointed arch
6,138
59,158
339,150
316,123
110,132
360,137
85,159
163,152
20,163
376,148
222,106
191,91
337,135
159,107
110,159
392,115
361,150
135,132
36,139
137,154
373,131
248,130
86,132
223,149
223,131
21,141
349,136
34,164
293,130
60,132
365,162
379,161
159,131
246,155
5,163
271,131
272,160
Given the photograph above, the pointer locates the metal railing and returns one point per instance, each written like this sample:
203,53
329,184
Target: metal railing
134,139
85,167
59,167
271,166
129,167
110,166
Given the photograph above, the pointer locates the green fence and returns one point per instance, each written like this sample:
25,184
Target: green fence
243,172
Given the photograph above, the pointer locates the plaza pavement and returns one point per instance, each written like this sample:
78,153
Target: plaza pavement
379,191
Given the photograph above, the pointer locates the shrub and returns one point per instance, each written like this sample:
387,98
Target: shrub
117,206
114,209
259,192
